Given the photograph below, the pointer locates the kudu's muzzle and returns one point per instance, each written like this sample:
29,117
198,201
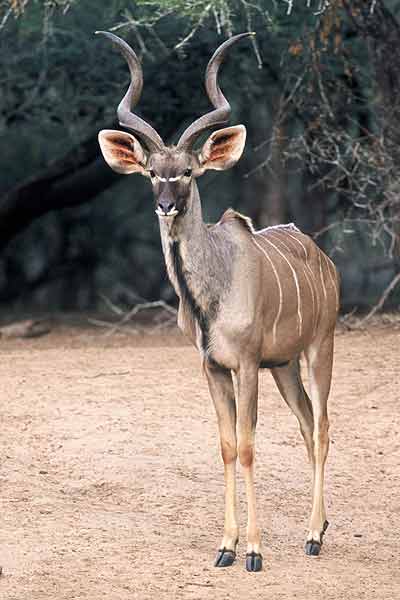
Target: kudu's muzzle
166,206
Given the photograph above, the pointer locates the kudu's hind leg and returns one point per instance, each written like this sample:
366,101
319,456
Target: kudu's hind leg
319,358
290,385
247,420
222,392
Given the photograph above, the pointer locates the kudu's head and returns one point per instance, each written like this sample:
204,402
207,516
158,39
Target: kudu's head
172,169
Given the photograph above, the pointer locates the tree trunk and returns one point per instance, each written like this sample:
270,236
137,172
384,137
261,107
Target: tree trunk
74,179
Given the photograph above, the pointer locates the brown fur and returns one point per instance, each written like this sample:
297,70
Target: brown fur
232,215
246,298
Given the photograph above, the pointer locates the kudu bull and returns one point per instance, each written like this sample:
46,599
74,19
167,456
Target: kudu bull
248,299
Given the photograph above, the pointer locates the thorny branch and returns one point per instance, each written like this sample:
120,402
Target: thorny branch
382,299
362,171
162,322
355,167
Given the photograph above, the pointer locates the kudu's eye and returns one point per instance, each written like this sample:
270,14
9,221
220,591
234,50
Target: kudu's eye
188,172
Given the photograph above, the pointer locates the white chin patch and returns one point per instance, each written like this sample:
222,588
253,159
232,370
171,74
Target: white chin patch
172,213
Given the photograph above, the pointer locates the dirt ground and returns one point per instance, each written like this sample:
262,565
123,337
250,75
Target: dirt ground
111,484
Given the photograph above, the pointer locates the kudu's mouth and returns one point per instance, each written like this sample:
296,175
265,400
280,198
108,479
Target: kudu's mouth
172,212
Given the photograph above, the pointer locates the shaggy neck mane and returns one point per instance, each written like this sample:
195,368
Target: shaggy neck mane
187,296
199,261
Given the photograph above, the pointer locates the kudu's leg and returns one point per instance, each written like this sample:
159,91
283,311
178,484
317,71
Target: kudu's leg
319,358
247,420
222,392
290,385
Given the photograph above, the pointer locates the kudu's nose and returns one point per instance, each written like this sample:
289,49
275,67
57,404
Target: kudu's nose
166,206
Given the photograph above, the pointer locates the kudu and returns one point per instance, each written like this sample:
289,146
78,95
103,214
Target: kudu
248,299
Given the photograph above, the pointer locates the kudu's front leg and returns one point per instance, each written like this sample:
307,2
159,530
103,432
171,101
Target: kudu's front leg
222,392
247,420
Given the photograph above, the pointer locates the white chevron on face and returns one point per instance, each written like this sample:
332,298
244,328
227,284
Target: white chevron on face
169,178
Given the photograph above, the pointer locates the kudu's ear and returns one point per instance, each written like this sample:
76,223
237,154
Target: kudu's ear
223,148
122,152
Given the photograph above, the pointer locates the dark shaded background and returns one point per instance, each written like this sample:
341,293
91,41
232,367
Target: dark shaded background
323,151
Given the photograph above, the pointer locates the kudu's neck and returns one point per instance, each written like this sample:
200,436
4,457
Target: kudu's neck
188,234
199,262
196,267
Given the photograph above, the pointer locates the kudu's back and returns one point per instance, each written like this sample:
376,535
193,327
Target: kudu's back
284,294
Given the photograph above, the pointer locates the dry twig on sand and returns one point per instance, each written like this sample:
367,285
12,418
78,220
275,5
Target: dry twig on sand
382,299
127,317
25,329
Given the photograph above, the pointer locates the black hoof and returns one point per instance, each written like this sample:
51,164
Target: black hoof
253,561
225,558
324,528
313,548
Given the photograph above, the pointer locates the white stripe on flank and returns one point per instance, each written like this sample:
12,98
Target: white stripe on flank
305,267
288,248
296,281
322,276
299,242
329,263
314,313
313,282
278,314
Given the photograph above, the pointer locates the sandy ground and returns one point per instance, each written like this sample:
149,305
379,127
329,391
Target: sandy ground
112,487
